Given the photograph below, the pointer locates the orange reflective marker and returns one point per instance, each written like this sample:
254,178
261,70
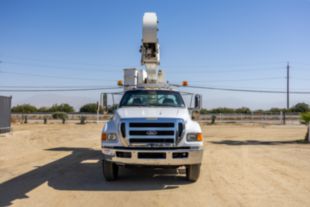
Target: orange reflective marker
103,136
199,137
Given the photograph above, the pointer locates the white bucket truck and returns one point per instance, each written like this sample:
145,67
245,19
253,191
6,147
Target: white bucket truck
152,126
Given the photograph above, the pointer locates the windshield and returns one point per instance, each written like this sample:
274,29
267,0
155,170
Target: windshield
152,98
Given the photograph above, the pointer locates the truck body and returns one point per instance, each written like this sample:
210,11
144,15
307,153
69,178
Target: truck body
152,125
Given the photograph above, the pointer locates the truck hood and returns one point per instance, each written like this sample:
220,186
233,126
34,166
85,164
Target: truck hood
152,112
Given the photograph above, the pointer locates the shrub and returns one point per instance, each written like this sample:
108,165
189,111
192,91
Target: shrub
61,108
82,119
24,108
90,108
60,115
25,119
213,117
45,119
305,118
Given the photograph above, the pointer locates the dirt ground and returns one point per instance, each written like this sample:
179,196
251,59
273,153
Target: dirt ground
245,165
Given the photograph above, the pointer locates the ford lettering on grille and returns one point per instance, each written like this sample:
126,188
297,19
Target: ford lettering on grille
151,133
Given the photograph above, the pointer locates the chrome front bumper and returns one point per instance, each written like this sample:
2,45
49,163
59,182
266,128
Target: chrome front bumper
160,157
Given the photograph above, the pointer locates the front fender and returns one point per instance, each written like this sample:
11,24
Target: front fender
113,127
191,127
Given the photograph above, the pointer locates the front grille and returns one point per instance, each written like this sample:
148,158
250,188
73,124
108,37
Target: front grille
145,131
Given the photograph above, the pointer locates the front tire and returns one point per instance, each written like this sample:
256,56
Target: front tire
110,170
192,172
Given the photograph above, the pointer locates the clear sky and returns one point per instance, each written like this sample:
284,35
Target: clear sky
235,43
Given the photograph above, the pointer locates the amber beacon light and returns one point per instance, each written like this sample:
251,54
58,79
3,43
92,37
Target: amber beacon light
185,83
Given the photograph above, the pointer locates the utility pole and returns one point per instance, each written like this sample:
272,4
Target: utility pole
288,86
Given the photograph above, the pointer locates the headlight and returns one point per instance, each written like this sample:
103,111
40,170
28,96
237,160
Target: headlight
194,137
108,137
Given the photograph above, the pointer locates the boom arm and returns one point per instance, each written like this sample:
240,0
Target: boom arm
150,46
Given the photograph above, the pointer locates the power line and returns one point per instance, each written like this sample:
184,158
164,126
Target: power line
18,60
31,60
206,68
97,79
302,79
63,67
52,76
195,87
102,67
59,90
239,80
244,90
9,87
53,87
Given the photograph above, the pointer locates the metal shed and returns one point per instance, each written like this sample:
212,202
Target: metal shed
5,114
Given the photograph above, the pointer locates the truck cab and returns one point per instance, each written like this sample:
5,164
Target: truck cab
152,127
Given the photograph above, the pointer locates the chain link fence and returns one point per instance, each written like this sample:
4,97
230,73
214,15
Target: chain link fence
266,118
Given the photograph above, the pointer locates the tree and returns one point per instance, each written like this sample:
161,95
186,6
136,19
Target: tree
24,108
61,108
300,107
243,110
203,111
43,109
259,111
222,110
90,108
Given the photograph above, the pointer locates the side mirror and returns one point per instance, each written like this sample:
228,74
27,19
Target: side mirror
198,101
